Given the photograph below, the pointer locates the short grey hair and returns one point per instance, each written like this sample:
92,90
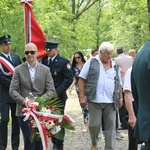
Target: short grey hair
106,46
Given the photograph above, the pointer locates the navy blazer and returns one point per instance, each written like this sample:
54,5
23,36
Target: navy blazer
6,80
61,73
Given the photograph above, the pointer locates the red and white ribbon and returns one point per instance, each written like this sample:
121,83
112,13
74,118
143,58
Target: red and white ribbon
8,65
68,118
31,111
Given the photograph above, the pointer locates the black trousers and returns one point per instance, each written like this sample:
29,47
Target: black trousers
122,114
147,145
133,143
15,129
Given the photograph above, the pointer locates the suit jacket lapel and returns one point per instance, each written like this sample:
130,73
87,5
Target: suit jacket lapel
38,70
27,73
12,58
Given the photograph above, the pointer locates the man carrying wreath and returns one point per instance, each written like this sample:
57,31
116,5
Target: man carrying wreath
33,77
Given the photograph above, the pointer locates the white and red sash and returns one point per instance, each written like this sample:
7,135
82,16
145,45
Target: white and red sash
8,65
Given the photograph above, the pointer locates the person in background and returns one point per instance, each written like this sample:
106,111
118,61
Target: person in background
95,52
34,77
132,53
7,104
88,56
131,108
77,64
100,86
62,75
125,62
140,85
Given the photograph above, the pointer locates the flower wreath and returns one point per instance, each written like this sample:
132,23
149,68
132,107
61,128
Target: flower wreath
45,119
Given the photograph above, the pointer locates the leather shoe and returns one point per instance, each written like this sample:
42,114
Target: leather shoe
94,147
57,147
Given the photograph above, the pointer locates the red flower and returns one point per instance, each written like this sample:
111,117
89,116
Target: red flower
55,109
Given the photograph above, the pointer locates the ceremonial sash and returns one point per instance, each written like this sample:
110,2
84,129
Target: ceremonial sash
8,65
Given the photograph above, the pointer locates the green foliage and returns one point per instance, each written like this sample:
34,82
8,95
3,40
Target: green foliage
35,137
67,125
60,135
11,16
55,104
80,25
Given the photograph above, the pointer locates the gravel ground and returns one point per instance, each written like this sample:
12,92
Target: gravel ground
77,140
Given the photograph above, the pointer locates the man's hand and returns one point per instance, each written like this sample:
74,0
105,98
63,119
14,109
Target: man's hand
56,95
83,102
132,120
120,103
28,102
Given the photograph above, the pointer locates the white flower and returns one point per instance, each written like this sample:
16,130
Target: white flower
49,124
55,129
44,110
60,119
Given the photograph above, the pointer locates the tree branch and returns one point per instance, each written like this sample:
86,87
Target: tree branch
86,7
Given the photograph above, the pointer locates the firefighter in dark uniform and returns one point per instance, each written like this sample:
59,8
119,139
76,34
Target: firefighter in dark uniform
62,75
6,102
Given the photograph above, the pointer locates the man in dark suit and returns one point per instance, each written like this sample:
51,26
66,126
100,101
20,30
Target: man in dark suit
34,77
140,82
6,102
62,75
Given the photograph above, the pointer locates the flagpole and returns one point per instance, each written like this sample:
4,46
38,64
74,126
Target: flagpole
32,30
28,27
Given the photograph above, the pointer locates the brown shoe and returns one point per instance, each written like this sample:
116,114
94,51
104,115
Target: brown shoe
94,147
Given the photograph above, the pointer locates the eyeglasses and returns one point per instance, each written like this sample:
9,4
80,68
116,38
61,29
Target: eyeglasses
77,57
31,52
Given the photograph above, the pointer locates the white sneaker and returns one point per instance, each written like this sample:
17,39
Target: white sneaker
85,128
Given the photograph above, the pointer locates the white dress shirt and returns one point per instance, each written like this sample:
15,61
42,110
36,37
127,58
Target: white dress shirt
127,81
32,71
7,55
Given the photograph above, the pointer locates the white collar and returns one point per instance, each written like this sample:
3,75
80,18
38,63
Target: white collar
6,54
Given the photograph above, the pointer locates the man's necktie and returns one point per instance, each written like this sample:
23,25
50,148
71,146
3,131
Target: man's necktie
49,62
9,59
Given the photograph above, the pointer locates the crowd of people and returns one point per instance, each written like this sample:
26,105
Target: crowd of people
112,92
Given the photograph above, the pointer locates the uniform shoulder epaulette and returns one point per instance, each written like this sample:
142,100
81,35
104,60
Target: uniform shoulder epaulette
64,59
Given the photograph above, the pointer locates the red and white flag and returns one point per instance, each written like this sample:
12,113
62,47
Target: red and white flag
32,30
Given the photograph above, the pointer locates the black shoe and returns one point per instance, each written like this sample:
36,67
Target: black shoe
123,127
57,147
54,147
